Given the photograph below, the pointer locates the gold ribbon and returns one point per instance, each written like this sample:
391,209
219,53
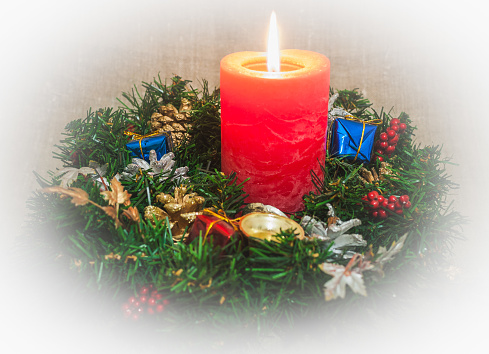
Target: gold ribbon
221,216
136,136
355,119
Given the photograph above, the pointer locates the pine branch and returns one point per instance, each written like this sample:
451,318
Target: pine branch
258,283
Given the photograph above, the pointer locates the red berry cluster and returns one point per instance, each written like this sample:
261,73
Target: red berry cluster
149,301
130,128
378,204
386,145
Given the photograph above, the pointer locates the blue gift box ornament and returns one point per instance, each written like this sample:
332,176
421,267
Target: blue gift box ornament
141,145
353,138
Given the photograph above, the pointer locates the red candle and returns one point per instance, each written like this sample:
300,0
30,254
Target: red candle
273,124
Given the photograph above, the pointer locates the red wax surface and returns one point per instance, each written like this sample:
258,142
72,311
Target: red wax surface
273,125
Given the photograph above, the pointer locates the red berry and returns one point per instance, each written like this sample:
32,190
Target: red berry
390,149
382,214
403,199
151,301
380,152
394,140
136,304
125,306
398,205
392,199
140,309
379,158
143,299
385,203
131,300
380,199
383,145
166,302
160,308
374,214
383,136
150,310
391,206
395,121
374,204
127,313
144,290
372,195
365,198
399,211
391,133
158,296
407,205
154,292
75,158
395,127
402,127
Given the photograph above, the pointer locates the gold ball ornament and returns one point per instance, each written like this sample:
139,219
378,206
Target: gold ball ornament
265,225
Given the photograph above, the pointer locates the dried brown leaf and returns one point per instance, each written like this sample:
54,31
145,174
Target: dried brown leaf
111,255
78,195
132,258
132,213
205,286
110,211
117,194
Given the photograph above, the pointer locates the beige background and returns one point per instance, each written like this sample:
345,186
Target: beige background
427,58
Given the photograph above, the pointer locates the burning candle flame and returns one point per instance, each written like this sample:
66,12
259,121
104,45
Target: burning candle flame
273,51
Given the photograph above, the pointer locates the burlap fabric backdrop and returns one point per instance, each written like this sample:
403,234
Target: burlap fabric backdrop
427,58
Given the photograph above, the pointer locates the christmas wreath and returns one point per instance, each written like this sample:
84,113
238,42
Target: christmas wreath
142,211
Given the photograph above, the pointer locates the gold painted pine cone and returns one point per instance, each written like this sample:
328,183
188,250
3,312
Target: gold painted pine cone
181,210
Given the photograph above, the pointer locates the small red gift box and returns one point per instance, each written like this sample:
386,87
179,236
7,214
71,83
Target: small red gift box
206,225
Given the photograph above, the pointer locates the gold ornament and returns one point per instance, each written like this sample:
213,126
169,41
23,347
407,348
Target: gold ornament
261,208
175,121
181,210
152,212
265,225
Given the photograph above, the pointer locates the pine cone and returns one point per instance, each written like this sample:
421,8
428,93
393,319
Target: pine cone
181,209
170,119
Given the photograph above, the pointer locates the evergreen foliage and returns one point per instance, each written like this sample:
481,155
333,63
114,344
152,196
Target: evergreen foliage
254,282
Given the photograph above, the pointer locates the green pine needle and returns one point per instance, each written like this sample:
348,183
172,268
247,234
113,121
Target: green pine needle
254,283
